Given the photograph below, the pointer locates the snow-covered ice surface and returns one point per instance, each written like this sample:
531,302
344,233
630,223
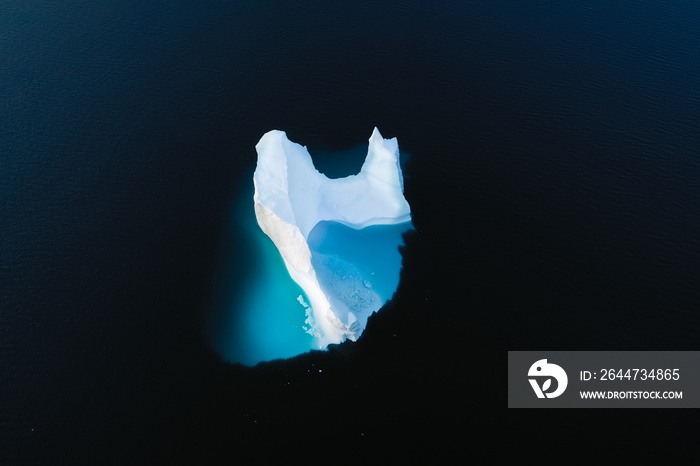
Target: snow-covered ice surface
339,238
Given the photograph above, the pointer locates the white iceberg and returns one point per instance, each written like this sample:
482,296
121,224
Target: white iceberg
292,198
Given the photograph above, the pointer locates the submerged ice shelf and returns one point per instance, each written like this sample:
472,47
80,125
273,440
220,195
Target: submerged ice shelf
338,237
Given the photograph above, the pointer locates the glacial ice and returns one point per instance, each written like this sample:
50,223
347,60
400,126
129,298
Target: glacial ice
294,201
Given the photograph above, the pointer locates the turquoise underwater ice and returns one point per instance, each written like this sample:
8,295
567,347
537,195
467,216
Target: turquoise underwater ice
265,314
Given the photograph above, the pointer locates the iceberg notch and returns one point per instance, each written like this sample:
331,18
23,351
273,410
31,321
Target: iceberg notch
294,201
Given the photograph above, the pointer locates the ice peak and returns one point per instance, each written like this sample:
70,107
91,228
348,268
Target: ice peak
292,197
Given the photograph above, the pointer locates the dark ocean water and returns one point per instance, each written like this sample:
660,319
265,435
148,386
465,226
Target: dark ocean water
553,182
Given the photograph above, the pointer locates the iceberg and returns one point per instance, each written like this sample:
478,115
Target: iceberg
331,233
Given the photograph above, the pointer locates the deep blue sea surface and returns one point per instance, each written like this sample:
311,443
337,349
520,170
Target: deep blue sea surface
553,182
